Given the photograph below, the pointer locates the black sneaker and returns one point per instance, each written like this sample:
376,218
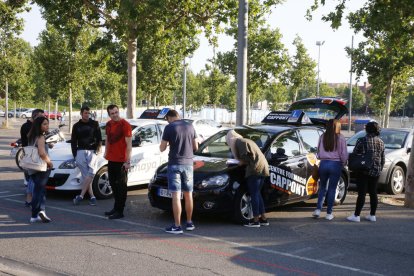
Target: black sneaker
263,222
108,213
116,215
189,226
252,224
174,229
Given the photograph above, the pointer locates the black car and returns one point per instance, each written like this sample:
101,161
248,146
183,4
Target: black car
288,140
397,142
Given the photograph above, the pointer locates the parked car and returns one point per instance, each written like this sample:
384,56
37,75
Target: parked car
17,111
288,140
2,113
205,128
54,115
27,113
397,142
145,158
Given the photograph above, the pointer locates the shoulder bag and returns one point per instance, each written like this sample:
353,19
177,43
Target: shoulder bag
31,159
359,162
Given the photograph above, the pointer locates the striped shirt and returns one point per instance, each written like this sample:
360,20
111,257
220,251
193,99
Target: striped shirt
372,143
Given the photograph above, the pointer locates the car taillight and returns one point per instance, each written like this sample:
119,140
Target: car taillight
13,144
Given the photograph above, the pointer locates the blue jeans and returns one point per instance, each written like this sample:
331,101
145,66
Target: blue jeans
39,191
254,185
328,171
180,177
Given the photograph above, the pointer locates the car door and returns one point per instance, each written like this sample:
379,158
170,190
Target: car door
146,155
310,138
288,166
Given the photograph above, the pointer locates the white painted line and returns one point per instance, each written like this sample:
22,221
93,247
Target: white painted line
6,196
302,250
4,192
269,251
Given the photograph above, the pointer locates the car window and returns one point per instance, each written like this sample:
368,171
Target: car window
147,135
310,139
161,128
287,144
393,139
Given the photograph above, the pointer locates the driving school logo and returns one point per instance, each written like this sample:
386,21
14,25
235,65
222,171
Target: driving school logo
287,181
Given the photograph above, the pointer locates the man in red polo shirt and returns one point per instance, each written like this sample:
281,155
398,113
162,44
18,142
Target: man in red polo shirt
118,148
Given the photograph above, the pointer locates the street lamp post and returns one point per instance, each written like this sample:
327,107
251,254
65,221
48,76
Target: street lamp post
319,44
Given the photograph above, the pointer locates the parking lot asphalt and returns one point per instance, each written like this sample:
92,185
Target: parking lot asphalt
80,241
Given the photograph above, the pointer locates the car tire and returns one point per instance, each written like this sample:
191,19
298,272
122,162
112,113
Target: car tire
341,190
396,183
9,115
23,116
100,184
242,211
18,157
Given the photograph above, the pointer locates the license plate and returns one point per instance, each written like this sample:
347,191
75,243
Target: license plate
166,193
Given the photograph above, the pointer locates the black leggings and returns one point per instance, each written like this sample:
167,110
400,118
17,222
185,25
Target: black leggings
366,183
118,179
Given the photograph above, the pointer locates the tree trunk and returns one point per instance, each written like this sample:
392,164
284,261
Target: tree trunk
132,77
388,103
6,115
70,108
102,108
295,95
248,109
215,111
409,187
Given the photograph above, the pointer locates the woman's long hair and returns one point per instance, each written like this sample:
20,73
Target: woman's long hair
36,129
330,137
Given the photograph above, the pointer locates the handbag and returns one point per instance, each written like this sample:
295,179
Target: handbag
31,159
360,161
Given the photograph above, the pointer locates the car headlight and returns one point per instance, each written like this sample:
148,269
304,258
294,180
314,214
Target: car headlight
68,164
215,181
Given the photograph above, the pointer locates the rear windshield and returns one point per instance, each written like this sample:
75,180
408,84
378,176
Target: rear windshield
393,139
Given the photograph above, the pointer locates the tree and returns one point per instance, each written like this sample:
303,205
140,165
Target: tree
302,73
132,21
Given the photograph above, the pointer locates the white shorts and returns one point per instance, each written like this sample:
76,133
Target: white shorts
86,160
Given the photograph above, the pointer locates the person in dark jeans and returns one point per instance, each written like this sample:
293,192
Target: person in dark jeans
367,181
118,147
257,168
36,138
24,132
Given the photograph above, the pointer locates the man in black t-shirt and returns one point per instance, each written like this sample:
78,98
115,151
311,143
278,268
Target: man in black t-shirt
181,137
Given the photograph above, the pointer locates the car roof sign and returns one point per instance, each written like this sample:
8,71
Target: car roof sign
287,117
154,113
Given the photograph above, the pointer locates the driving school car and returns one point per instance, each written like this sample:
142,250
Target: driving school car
289,142
145,157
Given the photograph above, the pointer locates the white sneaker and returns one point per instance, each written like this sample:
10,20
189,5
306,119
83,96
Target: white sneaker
43,217
35,220
371,218
329,216
316,213
354,218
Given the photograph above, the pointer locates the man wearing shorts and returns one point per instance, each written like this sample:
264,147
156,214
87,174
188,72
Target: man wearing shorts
86,143
181,138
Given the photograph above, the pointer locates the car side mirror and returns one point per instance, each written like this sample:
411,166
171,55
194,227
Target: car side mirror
136,143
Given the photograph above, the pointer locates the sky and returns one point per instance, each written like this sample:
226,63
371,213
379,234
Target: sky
289,17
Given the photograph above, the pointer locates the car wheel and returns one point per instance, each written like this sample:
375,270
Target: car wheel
396,183
9,115
23,116
18,157
341,190
242,207
100,184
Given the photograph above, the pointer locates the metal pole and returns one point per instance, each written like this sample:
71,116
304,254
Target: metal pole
319,58
350,90
184,86
242,62
6,115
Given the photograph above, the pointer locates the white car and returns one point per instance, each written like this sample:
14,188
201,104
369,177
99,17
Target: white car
145,159
2,113
27,113
205,128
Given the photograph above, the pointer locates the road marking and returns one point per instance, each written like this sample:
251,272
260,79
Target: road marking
6,196
4,192
302,250
269,251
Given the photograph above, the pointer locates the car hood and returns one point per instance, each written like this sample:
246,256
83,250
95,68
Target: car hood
61,152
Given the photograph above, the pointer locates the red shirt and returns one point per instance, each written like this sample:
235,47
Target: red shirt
115,144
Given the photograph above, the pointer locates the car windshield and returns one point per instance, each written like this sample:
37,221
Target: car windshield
216,146
393,139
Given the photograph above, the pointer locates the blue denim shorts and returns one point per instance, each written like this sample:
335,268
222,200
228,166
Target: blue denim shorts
180,177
